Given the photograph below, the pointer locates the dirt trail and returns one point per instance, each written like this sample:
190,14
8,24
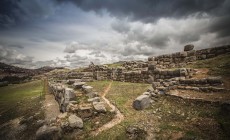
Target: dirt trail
50,104
116,120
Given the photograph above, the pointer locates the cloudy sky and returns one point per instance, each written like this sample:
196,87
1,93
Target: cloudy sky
73,33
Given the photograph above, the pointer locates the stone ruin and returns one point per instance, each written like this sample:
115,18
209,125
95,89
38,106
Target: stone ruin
73,112
166,73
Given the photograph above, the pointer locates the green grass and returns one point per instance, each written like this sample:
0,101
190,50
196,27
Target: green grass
122,95
173,115
114,65
14,96
219,65
164,127
21,101
99,86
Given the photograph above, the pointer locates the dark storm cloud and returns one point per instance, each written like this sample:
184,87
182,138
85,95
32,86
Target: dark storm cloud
152,10
221,26
16,46
13,12
149,10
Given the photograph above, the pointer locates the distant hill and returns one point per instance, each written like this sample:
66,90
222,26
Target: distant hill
14,74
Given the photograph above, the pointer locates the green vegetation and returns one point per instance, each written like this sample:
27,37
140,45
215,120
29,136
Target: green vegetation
114,65
20,102
168,117
99,86
219,65
13,97
122,95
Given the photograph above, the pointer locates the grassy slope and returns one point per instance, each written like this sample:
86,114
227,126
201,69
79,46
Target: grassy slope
219,65
22,100
114,65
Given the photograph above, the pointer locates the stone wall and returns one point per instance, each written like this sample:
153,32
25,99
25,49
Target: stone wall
155,69
179,59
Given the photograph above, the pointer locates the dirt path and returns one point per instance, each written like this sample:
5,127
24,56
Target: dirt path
50,104
116,120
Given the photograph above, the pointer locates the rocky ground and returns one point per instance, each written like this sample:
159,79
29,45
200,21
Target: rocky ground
115,101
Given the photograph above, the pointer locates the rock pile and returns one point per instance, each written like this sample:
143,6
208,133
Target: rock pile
164,79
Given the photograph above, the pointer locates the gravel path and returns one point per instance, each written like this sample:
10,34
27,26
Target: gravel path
116,120
51,105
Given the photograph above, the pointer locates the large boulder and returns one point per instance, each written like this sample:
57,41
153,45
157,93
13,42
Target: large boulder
87,89
155,85
99,106
75,121
188,47
141,102
95,99
49,133
78,85
92,94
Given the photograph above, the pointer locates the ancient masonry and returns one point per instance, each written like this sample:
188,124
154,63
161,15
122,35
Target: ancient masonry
164,72
74,113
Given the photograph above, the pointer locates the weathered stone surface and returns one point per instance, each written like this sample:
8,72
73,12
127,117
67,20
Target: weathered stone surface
92,94
49,133
62,115
85,111
188,47
87,89
78,85
147,93
214,80
99,107
156,84
151,58
75,121
95,99
141,102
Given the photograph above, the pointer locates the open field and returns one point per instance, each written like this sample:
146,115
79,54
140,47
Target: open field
167,118
21,108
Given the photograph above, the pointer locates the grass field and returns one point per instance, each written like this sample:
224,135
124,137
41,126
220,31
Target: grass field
167,118
219,65
20,102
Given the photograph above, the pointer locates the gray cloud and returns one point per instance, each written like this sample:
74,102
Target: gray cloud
11,56
106,31
152,10
149,10
72,47
16,46
13,12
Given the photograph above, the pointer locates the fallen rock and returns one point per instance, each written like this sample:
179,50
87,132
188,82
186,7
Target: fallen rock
49,133
92,94
78,85
141,102
188,47
95,99
99,107
62,115
155,85
87,89
75,121
85,111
